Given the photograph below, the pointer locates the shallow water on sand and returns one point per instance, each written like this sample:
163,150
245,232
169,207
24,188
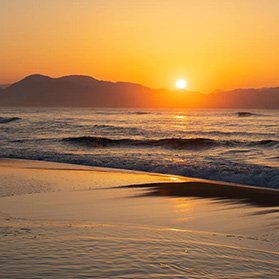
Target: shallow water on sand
115,251
69,221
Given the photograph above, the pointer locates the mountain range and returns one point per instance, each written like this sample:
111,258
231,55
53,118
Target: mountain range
85,91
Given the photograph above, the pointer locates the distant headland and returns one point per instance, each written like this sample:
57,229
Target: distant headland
85,91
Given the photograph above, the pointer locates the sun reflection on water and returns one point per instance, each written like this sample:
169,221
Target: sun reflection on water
179,117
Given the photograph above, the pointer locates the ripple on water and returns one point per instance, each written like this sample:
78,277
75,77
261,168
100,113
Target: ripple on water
126,252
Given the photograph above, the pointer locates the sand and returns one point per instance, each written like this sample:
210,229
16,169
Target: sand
72,221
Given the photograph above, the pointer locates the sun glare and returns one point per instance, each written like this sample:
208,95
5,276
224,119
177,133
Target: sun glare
181,84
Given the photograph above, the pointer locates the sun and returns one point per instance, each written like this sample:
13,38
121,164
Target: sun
181,84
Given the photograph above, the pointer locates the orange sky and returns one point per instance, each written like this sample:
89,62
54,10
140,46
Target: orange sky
210,43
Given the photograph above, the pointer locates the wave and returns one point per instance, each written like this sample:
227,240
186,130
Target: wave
217,170
246,114
120,112
112,127
140,112
271,143
8,119
237,133
172,143
100,126
175,143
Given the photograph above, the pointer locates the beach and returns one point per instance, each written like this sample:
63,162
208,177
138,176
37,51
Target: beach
73,221
139,139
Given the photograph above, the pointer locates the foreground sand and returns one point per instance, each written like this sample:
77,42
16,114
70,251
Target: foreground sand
70,221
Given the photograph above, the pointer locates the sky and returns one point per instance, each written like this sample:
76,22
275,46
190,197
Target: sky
212,44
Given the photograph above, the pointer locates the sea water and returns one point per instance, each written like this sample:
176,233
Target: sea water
225,145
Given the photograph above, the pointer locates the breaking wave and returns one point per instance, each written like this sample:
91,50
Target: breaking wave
246,114
175,143
8,119
215,169
172,143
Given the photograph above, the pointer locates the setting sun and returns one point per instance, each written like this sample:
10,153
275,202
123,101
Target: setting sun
169,109
181,84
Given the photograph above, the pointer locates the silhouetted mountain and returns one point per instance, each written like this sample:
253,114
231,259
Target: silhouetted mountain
85,91
245,98
38,90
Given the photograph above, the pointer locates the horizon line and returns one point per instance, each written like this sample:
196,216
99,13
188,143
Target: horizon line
7,85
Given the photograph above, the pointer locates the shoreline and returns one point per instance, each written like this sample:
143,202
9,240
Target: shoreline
55,212
179,186
39,190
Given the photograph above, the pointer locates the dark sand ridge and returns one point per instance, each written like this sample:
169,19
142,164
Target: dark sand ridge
211,189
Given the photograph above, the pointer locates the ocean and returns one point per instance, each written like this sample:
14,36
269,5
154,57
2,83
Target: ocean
63,221
238,146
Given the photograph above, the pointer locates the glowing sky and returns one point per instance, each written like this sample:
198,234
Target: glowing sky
210,43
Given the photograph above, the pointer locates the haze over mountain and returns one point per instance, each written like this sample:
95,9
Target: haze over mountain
85,91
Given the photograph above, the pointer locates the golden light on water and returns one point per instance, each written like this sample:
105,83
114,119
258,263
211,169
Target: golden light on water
179,116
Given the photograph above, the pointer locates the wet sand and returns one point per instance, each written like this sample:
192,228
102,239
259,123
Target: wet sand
60,220
212,189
